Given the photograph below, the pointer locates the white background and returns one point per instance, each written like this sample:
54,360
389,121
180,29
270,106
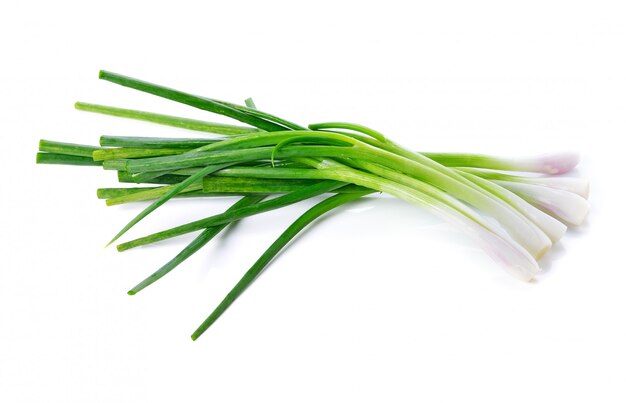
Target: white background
379,302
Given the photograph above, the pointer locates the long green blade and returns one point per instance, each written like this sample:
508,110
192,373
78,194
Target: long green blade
154,142
173,192
167,120
193,247
256,269
263,115
272,204
152,193
133,153
64,159
57,147
191,100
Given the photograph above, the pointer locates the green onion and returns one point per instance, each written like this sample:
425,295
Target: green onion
174,121
64,159
515,208
234,215
56,147
256,269
194,246
154,142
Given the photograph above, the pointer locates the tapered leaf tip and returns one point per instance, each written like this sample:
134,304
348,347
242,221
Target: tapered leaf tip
131,292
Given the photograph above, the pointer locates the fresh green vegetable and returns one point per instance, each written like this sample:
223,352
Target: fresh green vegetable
207,234
271,163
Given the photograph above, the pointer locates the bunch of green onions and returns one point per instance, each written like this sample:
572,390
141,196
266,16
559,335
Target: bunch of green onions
514,208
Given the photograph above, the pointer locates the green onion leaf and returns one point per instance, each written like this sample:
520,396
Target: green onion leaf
256,269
